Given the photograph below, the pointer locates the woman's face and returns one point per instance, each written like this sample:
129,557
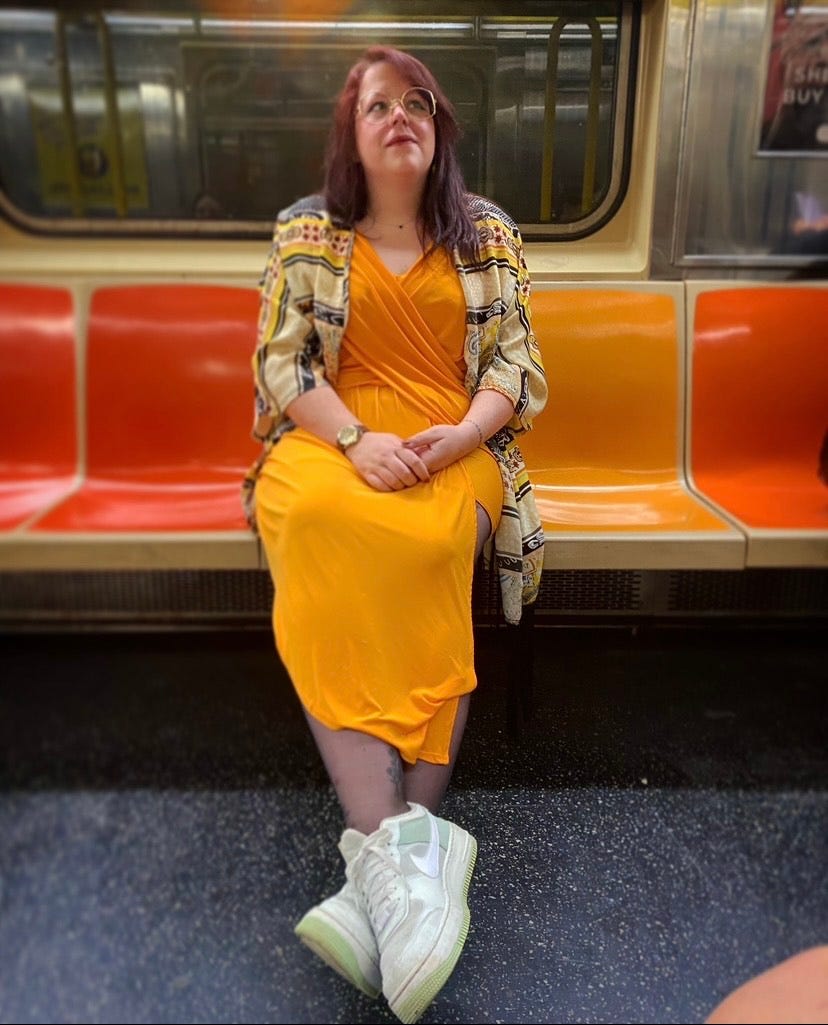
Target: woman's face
400,149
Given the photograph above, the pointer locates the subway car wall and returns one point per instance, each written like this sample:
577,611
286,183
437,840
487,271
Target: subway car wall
668,181
598,125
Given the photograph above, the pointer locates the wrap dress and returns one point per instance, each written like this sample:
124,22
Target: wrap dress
375,628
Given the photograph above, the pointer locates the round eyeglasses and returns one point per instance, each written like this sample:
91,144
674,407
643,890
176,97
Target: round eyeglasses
418,104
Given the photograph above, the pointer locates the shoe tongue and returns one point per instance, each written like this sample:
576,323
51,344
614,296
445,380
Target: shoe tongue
350,843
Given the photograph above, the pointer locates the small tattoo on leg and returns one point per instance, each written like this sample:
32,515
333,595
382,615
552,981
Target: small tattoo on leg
395,774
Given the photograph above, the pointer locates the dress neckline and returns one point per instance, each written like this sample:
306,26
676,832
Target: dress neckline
379,259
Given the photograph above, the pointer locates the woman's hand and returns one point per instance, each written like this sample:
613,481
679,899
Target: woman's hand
383,461
444,444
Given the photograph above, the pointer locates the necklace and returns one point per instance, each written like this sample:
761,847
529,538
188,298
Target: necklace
397,225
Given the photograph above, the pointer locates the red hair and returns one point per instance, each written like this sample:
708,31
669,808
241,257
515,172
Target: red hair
443,214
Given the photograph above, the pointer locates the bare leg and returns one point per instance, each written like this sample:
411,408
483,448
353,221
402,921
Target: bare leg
366,774
484,528
426,783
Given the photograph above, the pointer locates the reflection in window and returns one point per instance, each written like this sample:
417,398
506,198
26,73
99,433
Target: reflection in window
117,119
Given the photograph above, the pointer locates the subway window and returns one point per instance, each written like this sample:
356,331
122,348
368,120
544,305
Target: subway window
115,119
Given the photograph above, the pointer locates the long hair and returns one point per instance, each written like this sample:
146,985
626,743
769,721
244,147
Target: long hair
443,213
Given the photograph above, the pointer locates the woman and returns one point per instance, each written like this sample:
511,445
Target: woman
394,366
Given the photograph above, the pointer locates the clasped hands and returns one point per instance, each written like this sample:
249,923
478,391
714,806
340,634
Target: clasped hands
389,463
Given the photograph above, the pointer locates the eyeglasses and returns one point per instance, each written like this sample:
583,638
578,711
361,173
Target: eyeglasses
418,104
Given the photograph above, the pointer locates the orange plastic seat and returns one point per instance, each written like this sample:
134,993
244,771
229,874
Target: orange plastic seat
606,455
39,451
168,411
760,405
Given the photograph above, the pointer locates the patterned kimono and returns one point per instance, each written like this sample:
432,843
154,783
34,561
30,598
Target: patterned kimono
304,313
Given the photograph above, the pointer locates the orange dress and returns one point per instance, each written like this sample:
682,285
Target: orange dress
372,608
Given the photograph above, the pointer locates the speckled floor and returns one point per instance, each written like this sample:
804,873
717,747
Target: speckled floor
657,835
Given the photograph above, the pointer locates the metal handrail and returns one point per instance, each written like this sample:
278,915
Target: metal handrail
69,120
593,110
113,117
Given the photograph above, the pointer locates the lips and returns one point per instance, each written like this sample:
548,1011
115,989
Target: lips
400,139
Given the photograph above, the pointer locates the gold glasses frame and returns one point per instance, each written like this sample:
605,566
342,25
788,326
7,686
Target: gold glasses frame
380,117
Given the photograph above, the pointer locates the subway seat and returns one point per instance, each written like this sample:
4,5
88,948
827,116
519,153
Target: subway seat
38,406
168,411
135,461
606,456
759,414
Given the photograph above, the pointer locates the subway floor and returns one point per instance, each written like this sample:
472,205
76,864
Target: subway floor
655,833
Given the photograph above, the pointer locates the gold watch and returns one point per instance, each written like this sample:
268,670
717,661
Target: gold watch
349,435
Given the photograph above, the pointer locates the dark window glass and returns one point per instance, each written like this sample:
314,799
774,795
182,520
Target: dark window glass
118,120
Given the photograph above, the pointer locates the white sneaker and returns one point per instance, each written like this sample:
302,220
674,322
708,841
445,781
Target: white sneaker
413,877
338,930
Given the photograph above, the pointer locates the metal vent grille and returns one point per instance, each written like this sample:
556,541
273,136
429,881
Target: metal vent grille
803,592
590,591
486,596
178,594
245,596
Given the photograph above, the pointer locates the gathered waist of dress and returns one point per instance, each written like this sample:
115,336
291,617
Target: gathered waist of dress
384,407
356,375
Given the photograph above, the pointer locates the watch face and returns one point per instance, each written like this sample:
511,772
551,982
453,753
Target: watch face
349,435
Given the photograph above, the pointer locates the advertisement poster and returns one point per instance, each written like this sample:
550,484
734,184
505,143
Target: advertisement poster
94,152
795,111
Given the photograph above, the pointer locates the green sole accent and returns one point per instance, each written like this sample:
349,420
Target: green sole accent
328,945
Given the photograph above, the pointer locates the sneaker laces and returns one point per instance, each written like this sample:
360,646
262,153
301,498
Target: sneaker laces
380,883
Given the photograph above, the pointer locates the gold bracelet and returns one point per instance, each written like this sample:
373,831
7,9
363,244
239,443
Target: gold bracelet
476,426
